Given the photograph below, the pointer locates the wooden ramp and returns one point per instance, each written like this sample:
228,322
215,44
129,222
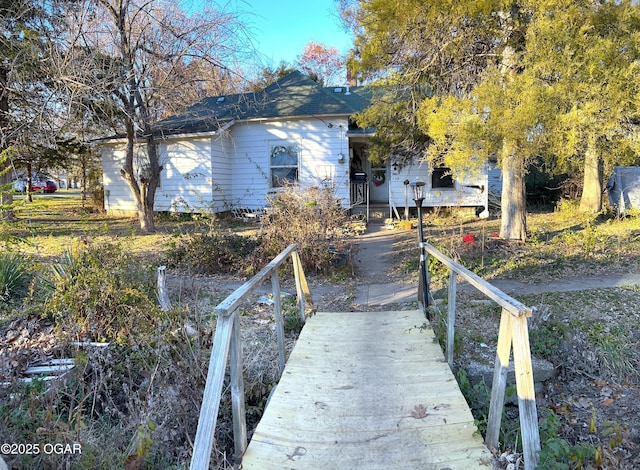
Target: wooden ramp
367,390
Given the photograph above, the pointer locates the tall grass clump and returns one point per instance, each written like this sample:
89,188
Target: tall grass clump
15,276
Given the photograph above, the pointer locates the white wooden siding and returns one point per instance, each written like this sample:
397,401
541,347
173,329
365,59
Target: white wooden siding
232,170
117,195
320,147
222,177
185,181
466,193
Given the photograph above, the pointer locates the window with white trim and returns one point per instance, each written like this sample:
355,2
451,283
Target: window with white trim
283,162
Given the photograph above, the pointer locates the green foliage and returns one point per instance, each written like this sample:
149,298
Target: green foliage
551,78
464,155
557,454
588,241
612,346
101,294
15,275
633,212
392,113
439,324
546,339
291,315
478,397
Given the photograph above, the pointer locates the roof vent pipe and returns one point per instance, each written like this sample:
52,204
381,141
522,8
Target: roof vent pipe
348,92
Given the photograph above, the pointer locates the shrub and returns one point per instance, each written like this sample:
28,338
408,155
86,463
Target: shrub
15,276
213,252
100,293
311,218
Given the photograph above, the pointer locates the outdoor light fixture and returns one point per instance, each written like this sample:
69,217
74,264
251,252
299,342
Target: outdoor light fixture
423,282
418,192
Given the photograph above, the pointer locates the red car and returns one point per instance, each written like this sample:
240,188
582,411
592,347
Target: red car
44,187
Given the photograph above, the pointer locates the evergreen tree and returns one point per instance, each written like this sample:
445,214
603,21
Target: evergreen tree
513,80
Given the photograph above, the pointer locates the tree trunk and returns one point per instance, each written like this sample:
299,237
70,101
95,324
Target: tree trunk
150,184
6,198
83,180
27,190
144,187
145,209
513,224
591,199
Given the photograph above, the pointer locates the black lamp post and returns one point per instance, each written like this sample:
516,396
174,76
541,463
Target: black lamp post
418,198
423,284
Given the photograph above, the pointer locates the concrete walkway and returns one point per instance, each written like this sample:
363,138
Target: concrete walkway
608,281
375,257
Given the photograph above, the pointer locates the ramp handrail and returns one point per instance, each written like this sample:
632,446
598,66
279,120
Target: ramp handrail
227,343
513,335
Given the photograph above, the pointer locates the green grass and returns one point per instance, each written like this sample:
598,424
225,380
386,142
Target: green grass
51,225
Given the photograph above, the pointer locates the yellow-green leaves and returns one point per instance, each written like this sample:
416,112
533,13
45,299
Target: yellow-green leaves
457,131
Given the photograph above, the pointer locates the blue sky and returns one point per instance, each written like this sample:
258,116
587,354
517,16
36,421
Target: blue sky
281,28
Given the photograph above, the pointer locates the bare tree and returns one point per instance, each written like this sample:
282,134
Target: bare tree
132,62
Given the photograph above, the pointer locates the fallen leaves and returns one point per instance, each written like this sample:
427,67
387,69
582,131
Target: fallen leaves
419,412
23,342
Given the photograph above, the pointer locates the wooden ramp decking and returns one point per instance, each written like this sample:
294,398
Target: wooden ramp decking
368,390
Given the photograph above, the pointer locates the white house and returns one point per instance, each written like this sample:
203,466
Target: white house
229,152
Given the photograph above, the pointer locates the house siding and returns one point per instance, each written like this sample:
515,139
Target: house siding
185,182
468,192
221,181
117,195
318,158
230,170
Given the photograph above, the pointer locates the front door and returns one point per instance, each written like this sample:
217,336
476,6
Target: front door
379,185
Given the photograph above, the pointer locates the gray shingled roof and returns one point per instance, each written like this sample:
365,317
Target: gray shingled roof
294,95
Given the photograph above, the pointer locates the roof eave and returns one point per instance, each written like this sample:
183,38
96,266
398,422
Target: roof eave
168,136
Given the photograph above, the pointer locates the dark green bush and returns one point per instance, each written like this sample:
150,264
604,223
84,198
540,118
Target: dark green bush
100,293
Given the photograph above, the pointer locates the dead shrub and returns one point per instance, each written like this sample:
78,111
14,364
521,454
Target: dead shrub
213,252
100,293
310,217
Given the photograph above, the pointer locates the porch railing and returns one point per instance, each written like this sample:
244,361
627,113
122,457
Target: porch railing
513,336
227,343
359,195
